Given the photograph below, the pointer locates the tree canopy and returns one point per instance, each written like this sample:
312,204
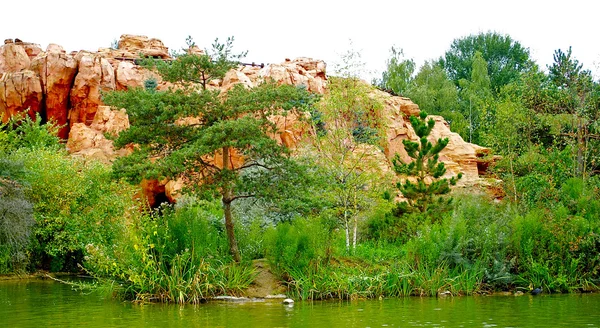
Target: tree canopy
505,57
219,143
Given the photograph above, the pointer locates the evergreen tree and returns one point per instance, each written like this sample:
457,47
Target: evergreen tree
578,96
219,143
422,177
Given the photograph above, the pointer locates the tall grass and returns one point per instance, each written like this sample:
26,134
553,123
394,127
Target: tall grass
479,247
177,257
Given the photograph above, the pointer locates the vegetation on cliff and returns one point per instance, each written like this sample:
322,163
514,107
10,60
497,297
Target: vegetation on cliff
329,218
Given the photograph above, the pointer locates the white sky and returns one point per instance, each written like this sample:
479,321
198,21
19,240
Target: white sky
275,30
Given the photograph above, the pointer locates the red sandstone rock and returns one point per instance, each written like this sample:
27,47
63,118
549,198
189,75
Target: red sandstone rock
89,141
110,121
20,92
129,75
111,69
13,58
57,71
132,46
94,76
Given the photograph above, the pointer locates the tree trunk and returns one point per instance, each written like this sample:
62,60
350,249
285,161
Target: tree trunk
355,217
227,198
229,226
355,231
580,148
347,228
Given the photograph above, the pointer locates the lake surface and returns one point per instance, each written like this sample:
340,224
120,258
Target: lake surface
43,303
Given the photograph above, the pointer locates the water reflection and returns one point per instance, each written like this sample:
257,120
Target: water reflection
46,303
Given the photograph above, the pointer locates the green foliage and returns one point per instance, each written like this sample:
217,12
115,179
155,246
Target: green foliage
82,208
114,44
28,133
150,84
187,132
195,227
425,164
348,174
297,246
477,100
179,257
437,95
398,75
16,219
192,67
506,58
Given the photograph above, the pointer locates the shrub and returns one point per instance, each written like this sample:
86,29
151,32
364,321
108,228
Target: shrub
296,246
74,203
177,255
16,223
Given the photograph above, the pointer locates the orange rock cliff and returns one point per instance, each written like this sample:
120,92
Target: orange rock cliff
66,88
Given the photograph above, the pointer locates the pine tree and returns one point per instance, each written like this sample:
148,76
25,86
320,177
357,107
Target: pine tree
220,144
422,177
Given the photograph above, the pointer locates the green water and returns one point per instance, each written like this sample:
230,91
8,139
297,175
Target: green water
36,303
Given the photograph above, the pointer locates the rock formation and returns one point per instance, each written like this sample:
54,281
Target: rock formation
95,75
57,71
20,92
67,88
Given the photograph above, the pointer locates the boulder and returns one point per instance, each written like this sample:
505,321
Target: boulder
290,129
20,92
95,75
129,75
234,77
134,46
110,121
31,49
301,71
13,58
90,142
57,71
459,156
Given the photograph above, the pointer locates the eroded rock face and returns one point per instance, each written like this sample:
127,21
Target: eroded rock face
129,75
13,58
90,142
69,87
57,71
459,156
95,75
300,71
20,92
132,46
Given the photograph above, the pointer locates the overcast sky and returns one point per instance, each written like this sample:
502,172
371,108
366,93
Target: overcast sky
275,30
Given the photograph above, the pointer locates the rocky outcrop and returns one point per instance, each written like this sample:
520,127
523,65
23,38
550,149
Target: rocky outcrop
459,156
301,71
20,92
90,142
134,46
68,88
94,76
13,58
57,71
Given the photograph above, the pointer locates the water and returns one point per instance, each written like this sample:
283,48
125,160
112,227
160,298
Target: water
41,303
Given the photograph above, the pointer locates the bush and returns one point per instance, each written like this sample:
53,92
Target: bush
28,133
16,223
177,255
74,203
296,246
